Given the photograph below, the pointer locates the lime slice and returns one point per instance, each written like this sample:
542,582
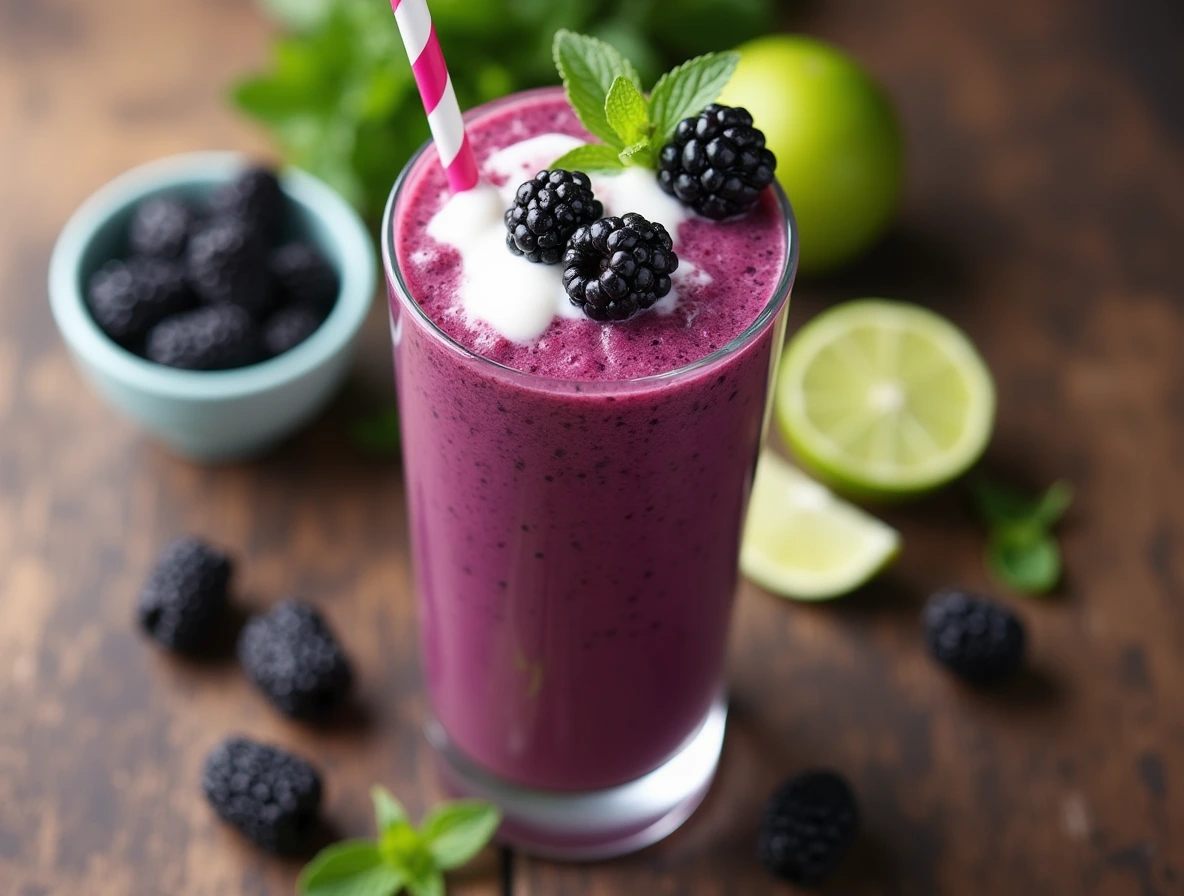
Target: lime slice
801,541
884,399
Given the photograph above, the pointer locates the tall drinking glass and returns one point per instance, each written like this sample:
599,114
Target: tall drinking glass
575,550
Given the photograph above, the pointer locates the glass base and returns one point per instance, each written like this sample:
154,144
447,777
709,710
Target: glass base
598,824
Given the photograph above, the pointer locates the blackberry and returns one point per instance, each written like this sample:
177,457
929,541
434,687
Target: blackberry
304,276
184,598
808,824
546,211
980,640
615,267
217,337
127,298
254,199
160,227
289,327
717,162
227,264
269,795
291,655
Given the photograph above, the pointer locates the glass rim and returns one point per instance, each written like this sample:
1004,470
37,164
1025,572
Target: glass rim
394,274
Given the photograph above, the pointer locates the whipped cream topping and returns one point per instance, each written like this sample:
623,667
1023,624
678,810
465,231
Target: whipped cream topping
517,298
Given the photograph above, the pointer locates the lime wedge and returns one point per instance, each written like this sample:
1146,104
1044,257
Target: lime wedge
801,541
884,399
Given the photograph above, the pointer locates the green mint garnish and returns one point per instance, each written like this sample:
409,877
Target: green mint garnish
403,859
1021,550
388,811
1029,563
588,68
456,831
626,111
589,157
686,89
605,93
348,868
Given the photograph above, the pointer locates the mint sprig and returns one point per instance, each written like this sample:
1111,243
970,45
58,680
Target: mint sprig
605,93
1022,552
403,859
588,68
626,111
686,89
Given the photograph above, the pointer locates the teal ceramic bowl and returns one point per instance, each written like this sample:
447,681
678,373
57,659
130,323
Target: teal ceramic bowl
224,415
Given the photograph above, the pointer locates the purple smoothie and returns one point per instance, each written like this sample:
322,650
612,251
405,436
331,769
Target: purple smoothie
575,520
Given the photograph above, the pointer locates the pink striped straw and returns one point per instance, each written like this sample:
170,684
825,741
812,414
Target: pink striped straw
435,89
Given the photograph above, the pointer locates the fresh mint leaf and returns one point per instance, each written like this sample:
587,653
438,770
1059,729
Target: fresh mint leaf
403,847
1052,504
269,99
349,868
686,89
626,112
378,434
997,504
1021,551
588,68
457,831
640,153
1026,562
429,885
403,857
589,157
383,92
388,811
1002,505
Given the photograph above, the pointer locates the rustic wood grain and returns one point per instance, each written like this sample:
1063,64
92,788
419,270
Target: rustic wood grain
1045,212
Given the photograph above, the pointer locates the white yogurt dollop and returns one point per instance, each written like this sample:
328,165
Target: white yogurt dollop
517,298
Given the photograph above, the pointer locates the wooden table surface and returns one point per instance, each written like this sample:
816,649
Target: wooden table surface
1044,212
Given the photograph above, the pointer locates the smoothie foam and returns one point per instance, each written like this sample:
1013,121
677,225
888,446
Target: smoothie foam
575,529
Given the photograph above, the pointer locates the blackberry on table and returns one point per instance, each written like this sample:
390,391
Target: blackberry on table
304,276
292,656
615,267
717,162
271,796
160,227
289,327
808,825
183,600
217,337
980,640
127,298
255,199
546,212
227,264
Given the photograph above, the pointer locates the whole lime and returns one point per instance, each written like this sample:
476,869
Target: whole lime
836,138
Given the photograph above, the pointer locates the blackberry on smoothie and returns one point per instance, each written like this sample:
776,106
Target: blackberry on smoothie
583,362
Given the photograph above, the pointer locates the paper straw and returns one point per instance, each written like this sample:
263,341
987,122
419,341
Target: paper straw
435,89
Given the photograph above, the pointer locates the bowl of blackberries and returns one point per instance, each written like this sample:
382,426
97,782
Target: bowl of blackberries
214,300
